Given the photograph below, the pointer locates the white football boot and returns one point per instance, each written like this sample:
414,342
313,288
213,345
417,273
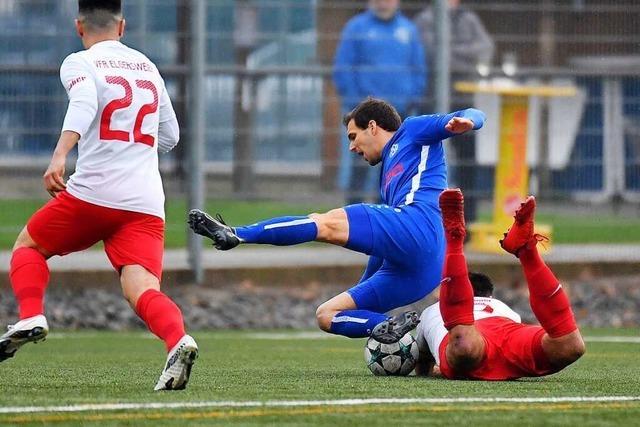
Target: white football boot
180,360
31,329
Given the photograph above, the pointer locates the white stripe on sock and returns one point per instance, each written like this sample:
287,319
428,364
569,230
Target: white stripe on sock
288,223
556,291
342,319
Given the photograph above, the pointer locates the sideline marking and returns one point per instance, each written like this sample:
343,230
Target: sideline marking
304,335
326,410
614,339
303,403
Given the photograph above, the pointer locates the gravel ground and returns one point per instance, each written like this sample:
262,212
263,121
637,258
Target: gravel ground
598,302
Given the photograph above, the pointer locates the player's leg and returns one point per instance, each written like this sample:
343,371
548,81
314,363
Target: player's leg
161,315
562,342
281,231
136,251
55,229
29,277
29,274
340,316
360,312
465,348
378,230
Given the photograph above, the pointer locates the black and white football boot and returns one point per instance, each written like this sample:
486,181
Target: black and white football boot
32,329
223,236
393,329
177,370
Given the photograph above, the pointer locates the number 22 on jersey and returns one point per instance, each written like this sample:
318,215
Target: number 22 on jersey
109,134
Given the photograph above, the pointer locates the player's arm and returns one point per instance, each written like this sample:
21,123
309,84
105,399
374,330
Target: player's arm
78,81
425,365
54,175
433,128
168,128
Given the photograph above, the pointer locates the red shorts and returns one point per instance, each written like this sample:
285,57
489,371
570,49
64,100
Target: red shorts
67,224
512,351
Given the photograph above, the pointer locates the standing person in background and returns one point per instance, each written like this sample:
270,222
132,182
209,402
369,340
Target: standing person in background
471,46
380,55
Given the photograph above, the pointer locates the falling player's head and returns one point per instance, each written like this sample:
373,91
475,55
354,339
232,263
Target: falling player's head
370,126
100,19
482,285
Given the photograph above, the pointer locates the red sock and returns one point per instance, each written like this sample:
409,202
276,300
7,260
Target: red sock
29,277
162,316
548,300
456,292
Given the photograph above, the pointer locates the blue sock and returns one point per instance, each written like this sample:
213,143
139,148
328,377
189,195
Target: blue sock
282,231
356,323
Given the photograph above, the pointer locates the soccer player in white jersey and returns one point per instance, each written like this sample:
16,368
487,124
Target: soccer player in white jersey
119,115
470,335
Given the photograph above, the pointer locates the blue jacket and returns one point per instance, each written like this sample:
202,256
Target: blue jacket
384,59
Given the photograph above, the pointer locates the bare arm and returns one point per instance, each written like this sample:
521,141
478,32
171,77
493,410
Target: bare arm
425,364
83,107
54,175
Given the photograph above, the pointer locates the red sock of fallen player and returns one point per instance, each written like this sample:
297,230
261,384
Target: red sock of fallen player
456,292
162,316
548,300
29,277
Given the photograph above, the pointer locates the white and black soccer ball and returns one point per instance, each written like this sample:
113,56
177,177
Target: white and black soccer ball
392,359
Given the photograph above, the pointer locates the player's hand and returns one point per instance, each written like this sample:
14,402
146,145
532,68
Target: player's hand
54,176
459,125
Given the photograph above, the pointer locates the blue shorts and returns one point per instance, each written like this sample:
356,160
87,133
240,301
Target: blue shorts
406,245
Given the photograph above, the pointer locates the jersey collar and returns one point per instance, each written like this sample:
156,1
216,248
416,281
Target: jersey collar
107,43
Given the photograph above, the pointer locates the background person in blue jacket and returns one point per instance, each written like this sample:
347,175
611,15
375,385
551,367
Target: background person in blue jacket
380,54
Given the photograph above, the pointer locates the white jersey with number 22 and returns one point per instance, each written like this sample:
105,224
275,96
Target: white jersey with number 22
119,106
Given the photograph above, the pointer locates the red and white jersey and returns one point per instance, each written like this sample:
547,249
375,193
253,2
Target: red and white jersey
119,105
431,330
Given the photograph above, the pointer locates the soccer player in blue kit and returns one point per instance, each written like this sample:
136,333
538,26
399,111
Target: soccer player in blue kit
403,236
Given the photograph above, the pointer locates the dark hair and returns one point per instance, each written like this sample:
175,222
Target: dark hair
482,285
100,14
87,6
377,110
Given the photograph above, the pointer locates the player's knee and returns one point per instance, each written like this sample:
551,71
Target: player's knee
324,316
135,281
332,226
565,350
24,240
570,351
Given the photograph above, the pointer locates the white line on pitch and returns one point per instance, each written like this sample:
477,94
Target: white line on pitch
299,403
300,335
612,339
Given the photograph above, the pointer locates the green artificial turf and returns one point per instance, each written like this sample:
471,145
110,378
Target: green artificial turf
566,229
101,367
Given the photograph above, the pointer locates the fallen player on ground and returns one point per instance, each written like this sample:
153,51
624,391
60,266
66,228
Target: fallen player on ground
470,335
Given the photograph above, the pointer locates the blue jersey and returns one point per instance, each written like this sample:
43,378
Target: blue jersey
413,161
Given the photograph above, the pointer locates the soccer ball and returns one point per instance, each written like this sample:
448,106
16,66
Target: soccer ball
391,359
